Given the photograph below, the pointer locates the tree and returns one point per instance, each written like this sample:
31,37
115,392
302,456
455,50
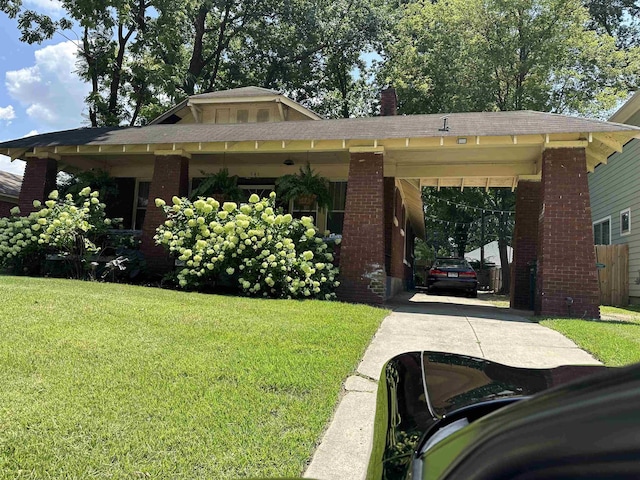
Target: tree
110,30
484,55
455,220
618,18
142,56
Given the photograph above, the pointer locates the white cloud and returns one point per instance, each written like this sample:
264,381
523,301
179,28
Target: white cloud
52,7
31,134
51,92
7,113
17,166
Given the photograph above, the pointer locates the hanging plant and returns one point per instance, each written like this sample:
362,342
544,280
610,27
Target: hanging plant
222,186
306,188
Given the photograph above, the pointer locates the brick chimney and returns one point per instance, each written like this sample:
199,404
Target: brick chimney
388,102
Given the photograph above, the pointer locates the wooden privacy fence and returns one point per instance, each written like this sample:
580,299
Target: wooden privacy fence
613,274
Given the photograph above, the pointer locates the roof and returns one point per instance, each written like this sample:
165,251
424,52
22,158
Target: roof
629,112
10,184
236,95
237,92
410,126
491,253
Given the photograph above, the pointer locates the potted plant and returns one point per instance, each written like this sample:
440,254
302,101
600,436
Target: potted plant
305,187
221,185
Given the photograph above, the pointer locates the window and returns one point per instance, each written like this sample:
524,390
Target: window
242,116
142,200
335,219
602,231
222,115
263,115
625,222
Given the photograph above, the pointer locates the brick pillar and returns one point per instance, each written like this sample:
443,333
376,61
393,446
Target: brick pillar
38,182
566,255
170,177
525,242
362,272
388,102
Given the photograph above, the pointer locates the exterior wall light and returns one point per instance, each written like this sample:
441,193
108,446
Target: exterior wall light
462,140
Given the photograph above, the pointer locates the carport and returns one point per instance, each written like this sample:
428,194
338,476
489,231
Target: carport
545,158
385,161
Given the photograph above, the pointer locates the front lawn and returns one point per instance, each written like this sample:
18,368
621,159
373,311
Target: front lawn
106,380
613,342
624,313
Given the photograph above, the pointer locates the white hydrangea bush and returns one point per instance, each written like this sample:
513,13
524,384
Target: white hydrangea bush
268,253
62,225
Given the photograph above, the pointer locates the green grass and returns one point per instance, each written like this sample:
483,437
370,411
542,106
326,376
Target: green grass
632,311
116,381
613,342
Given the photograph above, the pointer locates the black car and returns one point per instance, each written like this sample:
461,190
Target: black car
452,274
447,416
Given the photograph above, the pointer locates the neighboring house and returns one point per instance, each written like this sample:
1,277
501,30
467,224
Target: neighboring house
491,254
376,167
615,197
9,192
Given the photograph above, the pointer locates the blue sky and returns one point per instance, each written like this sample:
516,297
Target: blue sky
39,89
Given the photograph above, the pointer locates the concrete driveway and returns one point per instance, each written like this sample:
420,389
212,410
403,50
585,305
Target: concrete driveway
431,322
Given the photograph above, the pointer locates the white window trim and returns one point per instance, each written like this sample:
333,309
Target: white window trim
602,220
622,212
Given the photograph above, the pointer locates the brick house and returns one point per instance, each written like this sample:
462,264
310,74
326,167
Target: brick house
376,166
9,191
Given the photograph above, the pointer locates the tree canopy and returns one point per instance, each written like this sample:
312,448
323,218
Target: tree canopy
141,56
479,55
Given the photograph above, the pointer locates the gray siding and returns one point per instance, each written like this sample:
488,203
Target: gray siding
615,187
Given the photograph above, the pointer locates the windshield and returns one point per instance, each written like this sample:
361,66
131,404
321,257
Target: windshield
451,263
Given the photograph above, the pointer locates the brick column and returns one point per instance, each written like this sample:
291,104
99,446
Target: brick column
525,242
38,182
170,177
566,255
362,271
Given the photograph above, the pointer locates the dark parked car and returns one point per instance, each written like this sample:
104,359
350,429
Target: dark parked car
453,274
446,416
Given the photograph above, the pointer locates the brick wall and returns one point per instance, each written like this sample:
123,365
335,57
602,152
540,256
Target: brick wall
37,183
170,177
525,242
566,257
362,269
6,206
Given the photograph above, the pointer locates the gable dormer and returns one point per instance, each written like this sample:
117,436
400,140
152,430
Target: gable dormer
239,105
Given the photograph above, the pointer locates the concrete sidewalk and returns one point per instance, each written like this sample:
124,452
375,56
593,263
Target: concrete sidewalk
440,323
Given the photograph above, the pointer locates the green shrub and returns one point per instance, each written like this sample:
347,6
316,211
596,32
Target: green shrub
265,252
64,226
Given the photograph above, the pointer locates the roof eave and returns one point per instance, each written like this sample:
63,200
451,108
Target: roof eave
630,108
168,113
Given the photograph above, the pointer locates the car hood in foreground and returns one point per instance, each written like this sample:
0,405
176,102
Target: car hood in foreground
421,391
